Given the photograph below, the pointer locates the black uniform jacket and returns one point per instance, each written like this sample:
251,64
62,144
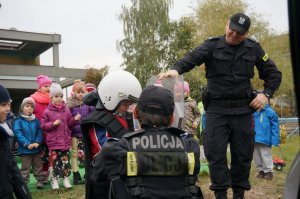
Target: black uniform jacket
11,179
229,69
111,162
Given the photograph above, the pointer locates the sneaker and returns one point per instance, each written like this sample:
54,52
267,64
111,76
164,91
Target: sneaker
268,176
67,183
40,185
261,175
54,183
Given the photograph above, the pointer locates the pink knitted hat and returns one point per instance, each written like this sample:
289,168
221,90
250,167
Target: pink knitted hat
186,87
43,80
90,87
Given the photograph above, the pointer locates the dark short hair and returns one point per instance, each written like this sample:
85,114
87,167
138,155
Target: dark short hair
153,119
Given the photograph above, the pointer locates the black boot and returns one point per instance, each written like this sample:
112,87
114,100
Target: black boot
221,194
238,193
77,178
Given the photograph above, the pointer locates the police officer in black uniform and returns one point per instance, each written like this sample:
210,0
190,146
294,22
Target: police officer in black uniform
229,62
154,162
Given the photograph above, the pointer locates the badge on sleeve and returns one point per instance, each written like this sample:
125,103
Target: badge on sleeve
265,57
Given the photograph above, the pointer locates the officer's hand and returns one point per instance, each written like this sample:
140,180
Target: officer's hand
259,102
170,73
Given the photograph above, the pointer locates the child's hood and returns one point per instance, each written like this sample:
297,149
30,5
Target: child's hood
52,107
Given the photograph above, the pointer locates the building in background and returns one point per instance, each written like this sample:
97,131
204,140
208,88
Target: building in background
20,63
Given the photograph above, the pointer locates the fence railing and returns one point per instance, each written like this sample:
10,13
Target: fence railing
293,124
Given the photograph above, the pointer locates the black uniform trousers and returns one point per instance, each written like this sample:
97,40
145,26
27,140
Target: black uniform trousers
236,130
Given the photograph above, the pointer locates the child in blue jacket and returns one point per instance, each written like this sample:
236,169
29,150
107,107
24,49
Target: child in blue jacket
29,136
266,129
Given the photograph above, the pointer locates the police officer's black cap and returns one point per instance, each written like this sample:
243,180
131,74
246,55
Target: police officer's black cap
240,22
156,100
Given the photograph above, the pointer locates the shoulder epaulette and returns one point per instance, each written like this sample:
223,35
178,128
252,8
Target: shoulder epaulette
186,135
214,38
112,139
176,130
253,40
127,135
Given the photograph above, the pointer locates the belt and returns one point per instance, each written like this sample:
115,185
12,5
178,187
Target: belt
229,103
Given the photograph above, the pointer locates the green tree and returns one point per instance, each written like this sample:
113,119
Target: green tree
147,30
278,50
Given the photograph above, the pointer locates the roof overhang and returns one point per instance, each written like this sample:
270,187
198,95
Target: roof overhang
26,44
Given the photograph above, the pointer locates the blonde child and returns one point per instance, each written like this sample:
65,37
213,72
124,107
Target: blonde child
76,106
29,136
56,122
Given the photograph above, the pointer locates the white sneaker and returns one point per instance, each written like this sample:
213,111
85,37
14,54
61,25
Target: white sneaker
67,183
54,183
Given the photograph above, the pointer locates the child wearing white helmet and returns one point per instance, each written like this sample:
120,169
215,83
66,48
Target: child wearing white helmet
116,92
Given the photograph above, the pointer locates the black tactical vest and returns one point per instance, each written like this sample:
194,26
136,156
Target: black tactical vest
112,125
158,163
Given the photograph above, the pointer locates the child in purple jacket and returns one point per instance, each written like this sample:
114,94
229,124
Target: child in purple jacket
76,106
56,122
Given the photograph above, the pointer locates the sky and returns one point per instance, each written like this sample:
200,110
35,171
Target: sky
90,29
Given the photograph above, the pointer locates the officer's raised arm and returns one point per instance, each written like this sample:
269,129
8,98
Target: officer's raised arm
192,59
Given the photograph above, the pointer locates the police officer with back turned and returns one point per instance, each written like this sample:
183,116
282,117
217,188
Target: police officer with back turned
154,162
229,62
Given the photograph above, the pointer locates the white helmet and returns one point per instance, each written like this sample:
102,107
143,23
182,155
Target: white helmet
118,86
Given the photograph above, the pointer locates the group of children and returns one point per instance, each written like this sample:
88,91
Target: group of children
47,127
45,130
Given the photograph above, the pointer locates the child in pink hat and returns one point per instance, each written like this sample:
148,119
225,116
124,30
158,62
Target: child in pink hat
41,96
90,87
191,112
42,100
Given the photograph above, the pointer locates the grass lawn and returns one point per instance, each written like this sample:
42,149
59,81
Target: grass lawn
260,188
